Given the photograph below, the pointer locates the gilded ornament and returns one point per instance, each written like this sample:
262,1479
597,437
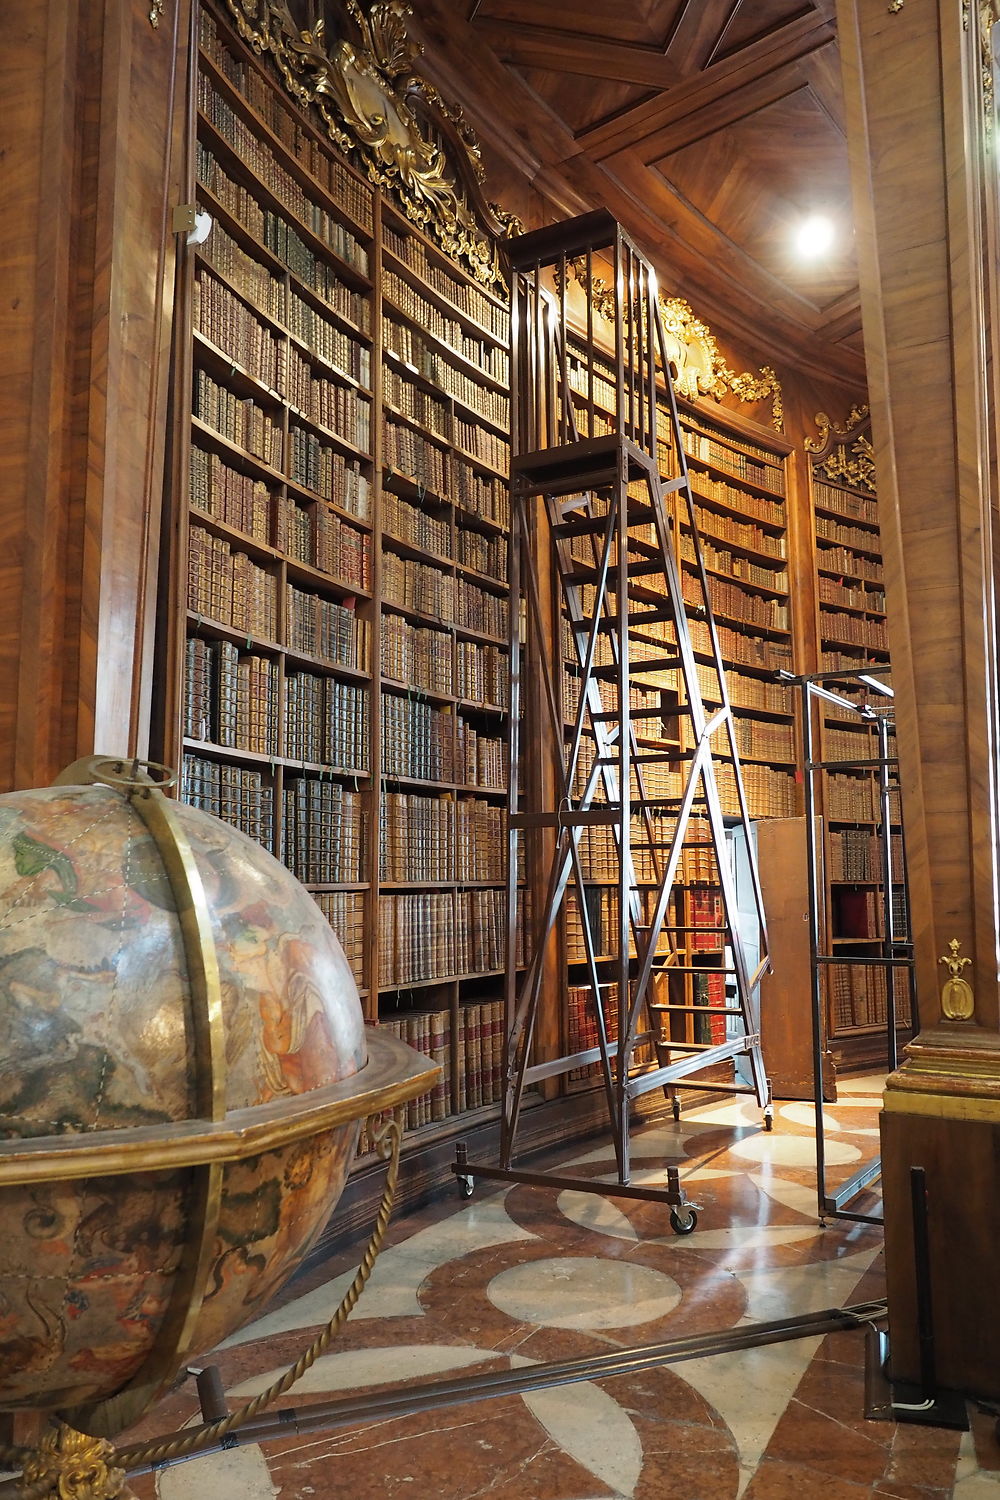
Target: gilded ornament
408,139
155,12
957,999
74,1467
989,15
854,466
855,417
692,349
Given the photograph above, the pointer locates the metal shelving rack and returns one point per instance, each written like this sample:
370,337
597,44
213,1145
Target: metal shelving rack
895,946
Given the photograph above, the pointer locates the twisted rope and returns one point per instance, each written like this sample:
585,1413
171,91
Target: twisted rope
387,1143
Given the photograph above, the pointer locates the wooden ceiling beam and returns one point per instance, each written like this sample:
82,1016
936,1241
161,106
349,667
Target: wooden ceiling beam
630,129
590,57
698,28
753,96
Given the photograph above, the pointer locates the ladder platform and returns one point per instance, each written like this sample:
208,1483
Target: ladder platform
586,573
639,668
573,468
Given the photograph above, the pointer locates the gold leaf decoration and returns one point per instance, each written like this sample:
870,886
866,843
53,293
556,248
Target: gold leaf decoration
855,417
854,466
692,350
373,106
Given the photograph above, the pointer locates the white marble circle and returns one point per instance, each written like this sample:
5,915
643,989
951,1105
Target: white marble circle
583,1292
791,1150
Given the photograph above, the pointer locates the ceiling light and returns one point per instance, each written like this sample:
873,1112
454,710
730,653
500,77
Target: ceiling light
814,236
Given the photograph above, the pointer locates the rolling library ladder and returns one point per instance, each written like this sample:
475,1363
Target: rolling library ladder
632,805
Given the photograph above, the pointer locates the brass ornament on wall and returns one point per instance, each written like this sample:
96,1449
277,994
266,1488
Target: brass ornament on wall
155,12
957,999
407,139
693,350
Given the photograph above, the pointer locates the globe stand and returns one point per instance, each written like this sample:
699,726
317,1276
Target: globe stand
71,1464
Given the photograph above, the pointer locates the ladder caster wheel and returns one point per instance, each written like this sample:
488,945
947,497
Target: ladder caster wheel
768,1121
684,1222
675,1108
466,1186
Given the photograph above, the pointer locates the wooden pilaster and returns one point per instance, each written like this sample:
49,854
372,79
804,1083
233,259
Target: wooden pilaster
917,134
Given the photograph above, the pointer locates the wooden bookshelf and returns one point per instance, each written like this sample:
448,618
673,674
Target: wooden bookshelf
340,679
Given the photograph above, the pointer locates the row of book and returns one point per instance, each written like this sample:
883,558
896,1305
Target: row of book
769,793
416,839
835,591
735,566
315,272
852,744
336,179
319,467
480,759
237,418
418,741
489,314
850,659
762,739
856,995
415,585
230,698
482,674
483,443
445,474
737,604
730,525
413,349
410,523
856,854
244,274
478,1054
486,554
238,796
345,912
744,650
851,537
744,460
414,402
225,584
263,165
845,502
856,799
337,350
239,500
326,722
319,627
333,546
416,656
416,938
844,563
338,408
481,610
323,832
853,630
489,355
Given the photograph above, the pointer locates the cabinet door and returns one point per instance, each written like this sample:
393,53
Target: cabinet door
786,993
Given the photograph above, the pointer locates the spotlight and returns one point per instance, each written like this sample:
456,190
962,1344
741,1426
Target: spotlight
814,236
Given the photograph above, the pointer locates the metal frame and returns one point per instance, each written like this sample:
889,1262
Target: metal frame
603,494
814,690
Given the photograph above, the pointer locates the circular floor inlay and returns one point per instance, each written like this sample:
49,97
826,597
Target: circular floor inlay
791,1150
583,1292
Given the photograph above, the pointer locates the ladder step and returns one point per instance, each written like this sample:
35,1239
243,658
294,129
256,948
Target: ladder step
639,668
695,1010
654,758
650,616
694,968
612,716
590,574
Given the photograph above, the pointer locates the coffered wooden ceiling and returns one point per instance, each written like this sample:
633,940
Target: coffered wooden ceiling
711,128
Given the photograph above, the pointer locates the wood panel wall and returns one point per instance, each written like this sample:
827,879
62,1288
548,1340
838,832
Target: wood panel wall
92,121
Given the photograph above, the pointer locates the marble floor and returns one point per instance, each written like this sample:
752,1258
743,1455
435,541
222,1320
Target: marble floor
517,1275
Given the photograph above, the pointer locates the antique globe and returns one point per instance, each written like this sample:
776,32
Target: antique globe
184,1070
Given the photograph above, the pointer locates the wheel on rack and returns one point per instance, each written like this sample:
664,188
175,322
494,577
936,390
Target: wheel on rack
466,1186
683,1220
768,1120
